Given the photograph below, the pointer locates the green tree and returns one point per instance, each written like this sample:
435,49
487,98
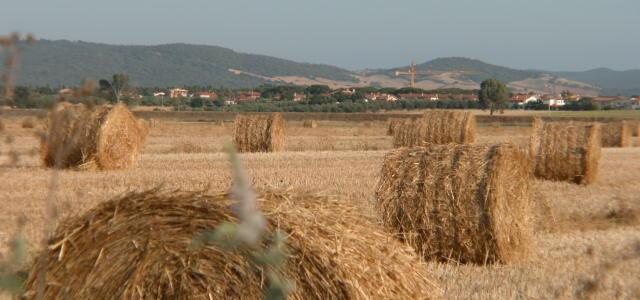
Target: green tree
114,88
493,94
317,89
566,95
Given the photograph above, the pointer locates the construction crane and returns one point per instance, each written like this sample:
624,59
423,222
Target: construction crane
411,72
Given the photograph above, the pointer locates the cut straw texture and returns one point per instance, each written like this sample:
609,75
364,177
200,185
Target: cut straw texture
566,151
635,128
461,203
259,133
140,246
436,127
103,138
616,134
393,124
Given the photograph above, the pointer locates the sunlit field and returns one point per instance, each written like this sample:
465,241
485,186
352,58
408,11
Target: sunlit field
587,241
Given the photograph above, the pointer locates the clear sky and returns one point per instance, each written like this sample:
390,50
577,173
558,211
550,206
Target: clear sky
356,34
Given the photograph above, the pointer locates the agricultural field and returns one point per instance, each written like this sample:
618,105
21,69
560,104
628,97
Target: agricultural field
586,242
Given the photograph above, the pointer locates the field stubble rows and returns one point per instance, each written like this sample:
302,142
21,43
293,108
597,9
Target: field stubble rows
588,242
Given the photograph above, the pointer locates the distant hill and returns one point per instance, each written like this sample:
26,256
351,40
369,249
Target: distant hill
469,73
473,69
612,82
69,63
62,62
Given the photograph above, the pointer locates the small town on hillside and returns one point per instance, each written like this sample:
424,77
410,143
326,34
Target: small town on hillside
205,97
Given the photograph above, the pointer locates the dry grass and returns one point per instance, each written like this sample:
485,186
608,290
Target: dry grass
587,247
461,203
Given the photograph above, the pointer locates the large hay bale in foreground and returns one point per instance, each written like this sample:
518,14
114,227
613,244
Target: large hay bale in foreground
616,134
140,246
464,203
567,151
104,138
436,127
310,124
259,133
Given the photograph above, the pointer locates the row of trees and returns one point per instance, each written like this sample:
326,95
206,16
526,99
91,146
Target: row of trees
493,95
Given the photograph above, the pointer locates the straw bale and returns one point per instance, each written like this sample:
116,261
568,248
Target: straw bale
394,123
616,134
567,151
635,128
463,203
145,127
259,133
310,124
59,147
104,138
436,127
140,246
28,123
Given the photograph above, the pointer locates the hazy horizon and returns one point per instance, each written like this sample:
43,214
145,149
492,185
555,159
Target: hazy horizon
374,34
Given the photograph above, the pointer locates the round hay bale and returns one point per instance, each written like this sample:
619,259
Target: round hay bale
28,123
105,138
436,127
310,124
464,203
616,134
140,246
259,133
393,124
567,151
59,146
144,127
635,128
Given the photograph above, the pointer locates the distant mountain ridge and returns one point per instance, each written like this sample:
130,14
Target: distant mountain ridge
62,62
69,63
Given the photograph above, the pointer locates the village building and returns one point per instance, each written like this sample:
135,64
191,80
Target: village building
380,97
178,93
522,99
553,101
207,95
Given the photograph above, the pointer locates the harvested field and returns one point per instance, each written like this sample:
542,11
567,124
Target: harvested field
588,247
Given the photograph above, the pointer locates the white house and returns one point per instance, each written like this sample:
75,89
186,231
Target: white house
554,102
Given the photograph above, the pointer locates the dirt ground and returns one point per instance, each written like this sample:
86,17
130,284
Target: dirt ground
587,243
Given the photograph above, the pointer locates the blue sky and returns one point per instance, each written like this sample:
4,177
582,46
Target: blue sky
356,34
